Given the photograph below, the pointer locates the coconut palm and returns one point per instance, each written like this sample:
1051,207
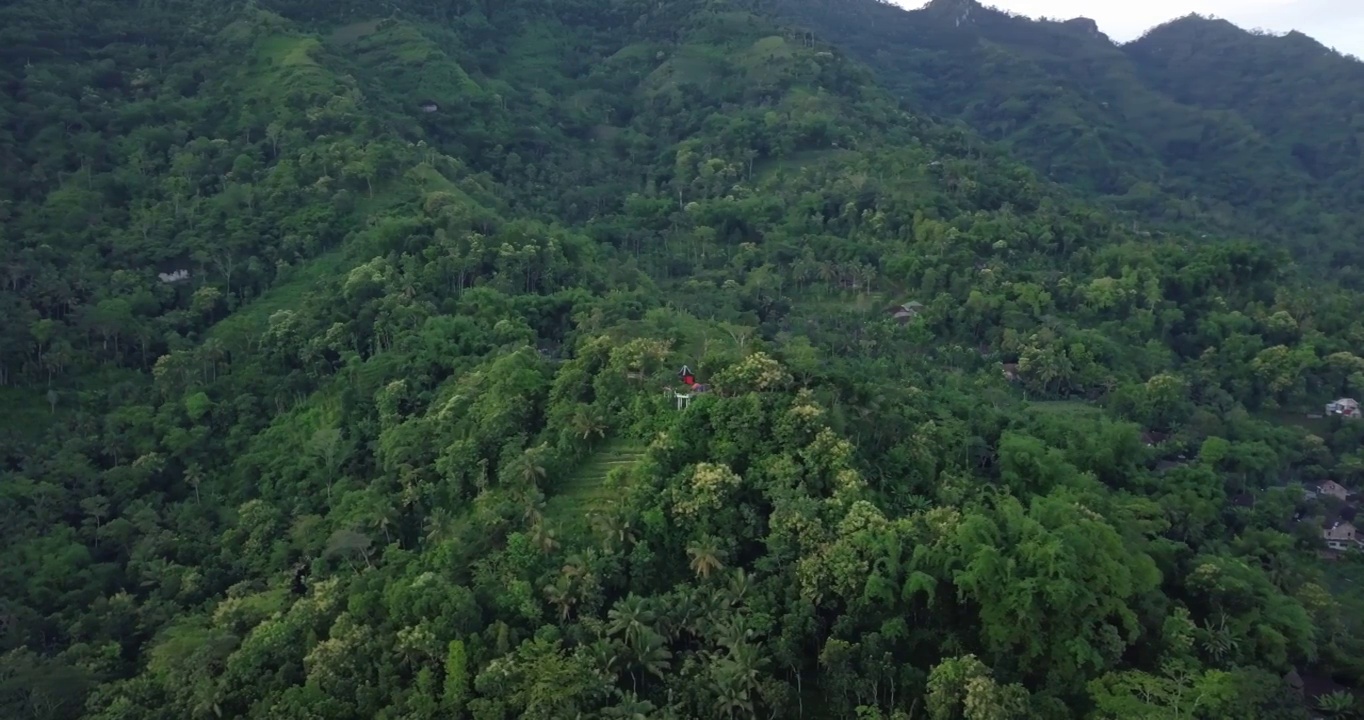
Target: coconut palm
384,519
439,526
615,528
631,618
736,676
535,506
588,421
739,586
629,708
562,595
1335,704
527,469
651,655
705,556
543,536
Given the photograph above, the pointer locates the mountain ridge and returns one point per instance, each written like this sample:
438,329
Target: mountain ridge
1206,129
958,7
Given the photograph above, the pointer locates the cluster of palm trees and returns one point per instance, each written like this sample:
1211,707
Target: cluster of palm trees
710,627
708,624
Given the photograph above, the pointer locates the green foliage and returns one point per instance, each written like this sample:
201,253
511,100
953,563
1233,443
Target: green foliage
456,694
407,441
1197,127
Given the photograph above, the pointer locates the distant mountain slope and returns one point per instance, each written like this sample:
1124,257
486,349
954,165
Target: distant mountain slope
1199,123
1294,90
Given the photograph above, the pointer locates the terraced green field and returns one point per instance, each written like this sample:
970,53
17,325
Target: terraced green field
592,488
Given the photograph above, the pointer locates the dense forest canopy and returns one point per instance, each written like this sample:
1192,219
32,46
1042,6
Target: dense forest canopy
1198,127
340,351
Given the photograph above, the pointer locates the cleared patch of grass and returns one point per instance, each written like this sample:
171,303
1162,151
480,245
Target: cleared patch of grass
429,180
285,66
819,300
1070,407
768,59
401,67
795,161
593,487
688,65
292,292
354,31
288,51
634,54
401,44
252,318
1299,419
720,25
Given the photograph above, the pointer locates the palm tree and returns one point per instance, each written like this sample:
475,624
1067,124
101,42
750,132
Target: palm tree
1218,641
737,675
733,631
1280,570
652,654
630,708
588,421
195,477
917,504
730,699
561,594
739,585
348,544
1335,704
615,528
747,662
631,618
583,579
705,556
527,468
535,506
543,537
701,612
830,273
384,518
439,526
212,353
575,567
866,276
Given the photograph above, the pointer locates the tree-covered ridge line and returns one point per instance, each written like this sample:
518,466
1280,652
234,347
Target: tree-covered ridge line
338,489
1198,127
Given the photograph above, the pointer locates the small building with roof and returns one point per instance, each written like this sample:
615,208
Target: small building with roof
907,312
1340,535
1344,407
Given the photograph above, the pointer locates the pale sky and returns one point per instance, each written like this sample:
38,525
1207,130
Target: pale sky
1334,23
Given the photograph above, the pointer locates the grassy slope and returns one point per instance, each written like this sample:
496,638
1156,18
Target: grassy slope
293,291
593,486
1062,407
285,64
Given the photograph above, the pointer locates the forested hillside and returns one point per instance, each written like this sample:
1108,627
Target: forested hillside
339,361
1198,126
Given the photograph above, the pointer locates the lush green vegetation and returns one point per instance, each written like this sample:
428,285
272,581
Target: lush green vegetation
399,446
1198,128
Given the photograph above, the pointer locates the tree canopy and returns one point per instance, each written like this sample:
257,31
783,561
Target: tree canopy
340,358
